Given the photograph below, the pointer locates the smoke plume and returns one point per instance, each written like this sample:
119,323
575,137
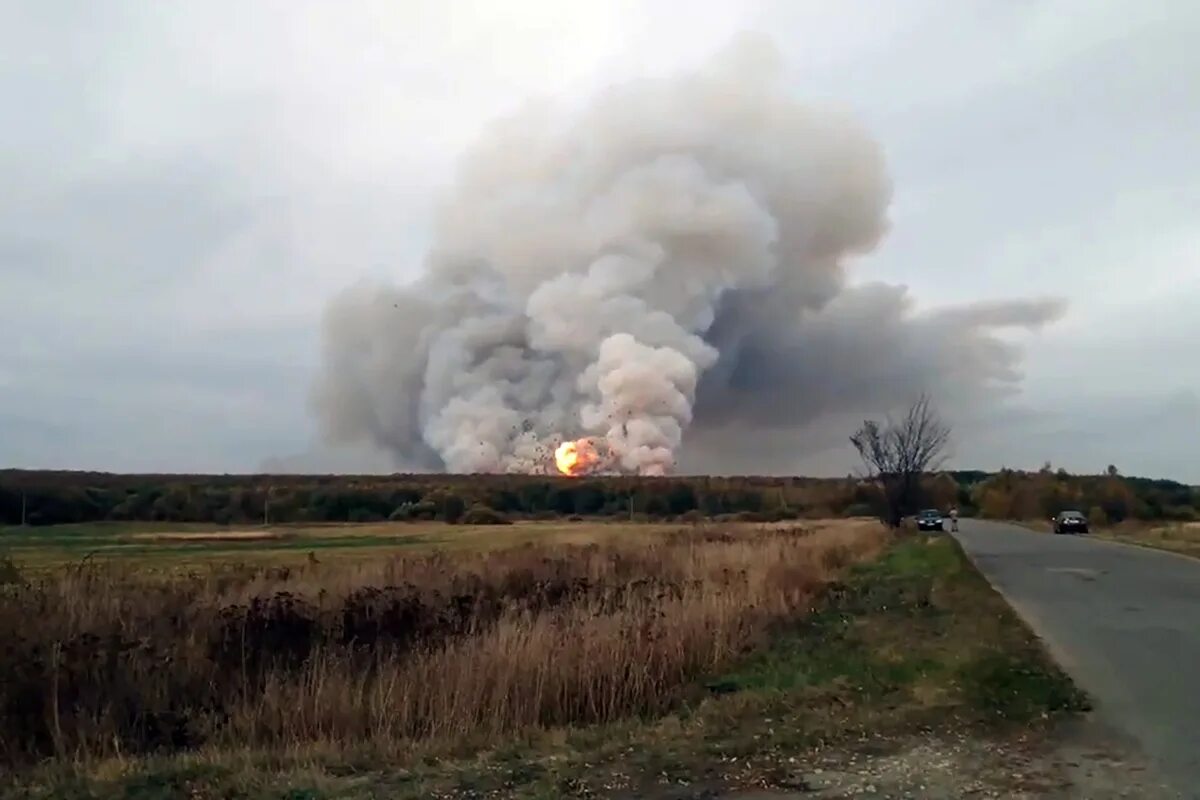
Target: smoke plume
662,271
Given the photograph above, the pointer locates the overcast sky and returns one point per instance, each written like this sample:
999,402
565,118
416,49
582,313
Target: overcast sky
185,186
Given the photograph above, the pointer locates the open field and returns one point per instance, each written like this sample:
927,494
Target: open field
180,545
594,661
424,646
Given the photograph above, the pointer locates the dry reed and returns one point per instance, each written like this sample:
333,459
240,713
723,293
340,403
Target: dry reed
101,661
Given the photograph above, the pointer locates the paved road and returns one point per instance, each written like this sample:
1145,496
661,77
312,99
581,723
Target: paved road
1124,621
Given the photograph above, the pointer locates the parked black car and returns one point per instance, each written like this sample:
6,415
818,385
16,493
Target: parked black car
930,520
1070,522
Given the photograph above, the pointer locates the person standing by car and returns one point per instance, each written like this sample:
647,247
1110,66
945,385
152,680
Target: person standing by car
953,519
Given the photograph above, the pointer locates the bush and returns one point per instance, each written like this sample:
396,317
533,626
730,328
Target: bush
1180,514
483,515
1097,516
410,511
453,508
364,515
10,573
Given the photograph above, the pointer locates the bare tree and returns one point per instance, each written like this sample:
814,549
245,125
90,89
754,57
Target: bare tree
897,453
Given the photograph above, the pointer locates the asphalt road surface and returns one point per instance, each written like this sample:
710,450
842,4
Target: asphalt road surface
1123,621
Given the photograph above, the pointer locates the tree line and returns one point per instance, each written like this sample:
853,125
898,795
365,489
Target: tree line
47,498
1106,498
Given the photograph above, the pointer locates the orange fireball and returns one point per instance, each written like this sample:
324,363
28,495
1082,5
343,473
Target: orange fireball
576,457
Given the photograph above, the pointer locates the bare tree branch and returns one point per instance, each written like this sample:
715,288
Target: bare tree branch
897,454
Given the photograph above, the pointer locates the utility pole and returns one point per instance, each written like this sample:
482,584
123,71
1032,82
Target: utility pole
267,508
631,496
23,509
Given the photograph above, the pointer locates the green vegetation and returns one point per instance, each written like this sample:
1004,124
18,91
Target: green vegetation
61,498
913,640
56,498
919,622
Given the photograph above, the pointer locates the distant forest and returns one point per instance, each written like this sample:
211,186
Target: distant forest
49,498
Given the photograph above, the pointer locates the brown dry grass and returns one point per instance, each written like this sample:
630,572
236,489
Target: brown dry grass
437,649
1177,537
185,547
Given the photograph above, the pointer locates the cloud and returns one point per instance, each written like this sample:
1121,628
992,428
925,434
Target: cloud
183,191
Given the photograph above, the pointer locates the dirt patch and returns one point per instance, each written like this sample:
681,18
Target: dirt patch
1071,762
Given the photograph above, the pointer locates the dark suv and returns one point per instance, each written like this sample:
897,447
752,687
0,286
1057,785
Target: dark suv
1070,522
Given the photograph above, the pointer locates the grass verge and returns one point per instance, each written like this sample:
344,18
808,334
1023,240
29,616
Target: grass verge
915,640
1175,537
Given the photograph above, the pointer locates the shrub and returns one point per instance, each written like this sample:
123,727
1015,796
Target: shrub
410,511
364,515
453,508
10,573
483,515
1180,514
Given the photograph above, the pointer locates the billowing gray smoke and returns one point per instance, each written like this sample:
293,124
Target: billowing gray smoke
662,270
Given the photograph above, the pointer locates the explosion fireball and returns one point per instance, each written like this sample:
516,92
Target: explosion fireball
577,457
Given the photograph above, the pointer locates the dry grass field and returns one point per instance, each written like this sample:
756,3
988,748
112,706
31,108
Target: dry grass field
420,645
1177,537
528,660
172,547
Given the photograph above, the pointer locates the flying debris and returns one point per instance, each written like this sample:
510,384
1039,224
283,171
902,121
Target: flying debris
579,457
